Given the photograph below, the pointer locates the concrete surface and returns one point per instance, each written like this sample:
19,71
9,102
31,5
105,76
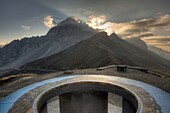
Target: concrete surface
159,96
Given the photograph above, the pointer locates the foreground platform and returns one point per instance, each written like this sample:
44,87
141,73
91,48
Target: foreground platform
150,99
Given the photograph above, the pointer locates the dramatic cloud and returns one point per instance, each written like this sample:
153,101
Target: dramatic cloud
49,21
158,40
15,13
25,27
155,31
96,21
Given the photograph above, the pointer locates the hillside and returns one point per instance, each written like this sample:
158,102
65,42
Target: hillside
100,50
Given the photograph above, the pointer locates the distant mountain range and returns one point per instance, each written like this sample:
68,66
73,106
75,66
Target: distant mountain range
66,34
141,44
73,44
159,51
100,50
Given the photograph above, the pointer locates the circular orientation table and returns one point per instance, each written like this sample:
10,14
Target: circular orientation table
137,96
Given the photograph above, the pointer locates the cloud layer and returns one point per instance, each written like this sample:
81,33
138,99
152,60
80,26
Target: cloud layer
155,31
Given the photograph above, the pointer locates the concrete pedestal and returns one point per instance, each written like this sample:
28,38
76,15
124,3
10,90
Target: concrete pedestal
84,102
44,108
127,107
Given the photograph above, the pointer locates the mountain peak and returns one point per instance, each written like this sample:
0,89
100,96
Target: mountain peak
101,34
113,35
71,20
69,26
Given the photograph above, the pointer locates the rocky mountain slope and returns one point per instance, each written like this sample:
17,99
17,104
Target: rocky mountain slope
100,50
66,34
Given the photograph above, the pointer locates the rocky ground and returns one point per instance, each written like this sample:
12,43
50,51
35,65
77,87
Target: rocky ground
9,85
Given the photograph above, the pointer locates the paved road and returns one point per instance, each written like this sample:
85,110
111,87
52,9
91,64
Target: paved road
161,97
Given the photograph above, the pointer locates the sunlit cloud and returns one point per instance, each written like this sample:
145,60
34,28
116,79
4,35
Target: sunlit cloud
96,21
49,21
155,31
25,27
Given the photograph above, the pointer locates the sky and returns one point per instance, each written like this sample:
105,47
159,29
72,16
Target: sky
148,20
